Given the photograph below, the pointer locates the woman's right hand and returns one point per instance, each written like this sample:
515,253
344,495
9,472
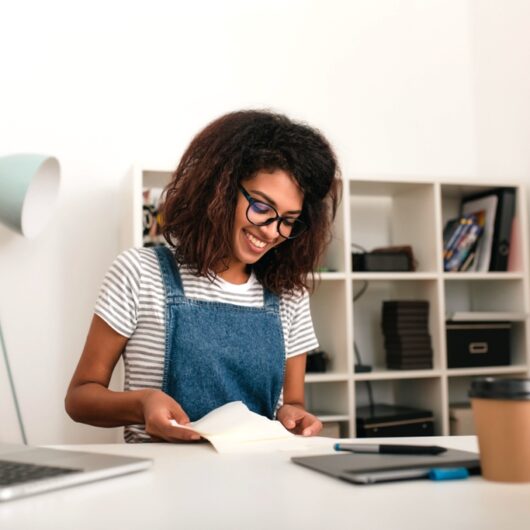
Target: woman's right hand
158,410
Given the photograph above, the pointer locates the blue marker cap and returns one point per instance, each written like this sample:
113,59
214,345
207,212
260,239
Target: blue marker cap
448,473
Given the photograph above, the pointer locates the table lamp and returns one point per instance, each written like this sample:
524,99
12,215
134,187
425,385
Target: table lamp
29,184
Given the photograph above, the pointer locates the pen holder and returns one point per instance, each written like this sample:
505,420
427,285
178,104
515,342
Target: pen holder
501,412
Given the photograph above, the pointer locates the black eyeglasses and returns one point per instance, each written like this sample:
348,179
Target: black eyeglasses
262,214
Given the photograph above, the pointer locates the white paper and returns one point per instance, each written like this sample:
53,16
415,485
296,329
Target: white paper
234,428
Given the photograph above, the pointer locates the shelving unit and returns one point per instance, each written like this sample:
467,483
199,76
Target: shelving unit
375,213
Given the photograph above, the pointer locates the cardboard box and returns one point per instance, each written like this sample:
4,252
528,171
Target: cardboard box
461,419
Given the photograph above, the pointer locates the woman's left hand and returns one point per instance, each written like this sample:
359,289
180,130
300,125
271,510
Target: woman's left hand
297,420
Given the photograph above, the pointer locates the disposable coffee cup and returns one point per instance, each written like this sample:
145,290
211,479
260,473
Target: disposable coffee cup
501,413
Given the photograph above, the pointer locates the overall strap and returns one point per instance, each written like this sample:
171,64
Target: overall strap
271,301
169,271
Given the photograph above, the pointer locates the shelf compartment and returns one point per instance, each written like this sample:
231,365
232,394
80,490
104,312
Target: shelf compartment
367,316
459,382
484,295
387,213
327,399
421,393
452,195
334,258
328,303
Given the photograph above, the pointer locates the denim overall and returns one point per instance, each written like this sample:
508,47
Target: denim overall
218,352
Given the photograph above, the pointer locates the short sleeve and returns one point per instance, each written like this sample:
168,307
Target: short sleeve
117,303
300,337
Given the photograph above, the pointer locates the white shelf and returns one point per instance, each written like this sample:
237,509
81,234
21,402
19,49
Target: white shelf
330,276
325,377
381,374
326,418
488,276
383,211
382,276
488,370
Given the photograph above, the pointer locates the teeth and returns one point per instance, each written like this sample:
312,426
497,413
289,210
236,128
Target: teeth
255,241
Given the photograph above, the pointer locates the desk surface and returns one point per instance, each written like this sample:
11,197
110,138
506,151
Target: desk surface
191,486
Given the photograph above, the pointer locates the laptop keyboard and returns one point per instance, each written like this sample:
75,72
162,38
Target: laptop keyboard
12,473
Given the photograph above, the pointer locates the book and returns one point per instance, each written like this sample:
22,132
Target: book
464,246
459,231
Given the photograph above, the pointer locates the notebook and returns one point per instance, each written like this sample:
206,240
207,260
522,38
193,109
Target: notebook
28,470
372,468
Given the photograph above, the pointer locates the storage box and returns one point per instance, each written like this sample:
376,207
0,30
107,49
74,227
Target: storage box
461,419
478,344
391,420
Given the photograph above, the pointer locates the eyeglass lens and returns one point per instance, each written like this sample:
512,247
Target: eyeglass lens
260,213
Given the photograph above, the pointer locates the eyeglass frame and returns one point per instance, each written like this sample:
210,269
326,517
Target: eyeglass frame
279,218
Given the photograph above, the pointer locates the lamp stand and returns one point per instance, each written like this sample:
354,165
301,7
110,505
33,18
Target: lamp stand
12,385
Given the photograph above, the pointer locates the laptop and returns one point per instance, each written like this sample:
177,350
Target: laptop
26,470
373,468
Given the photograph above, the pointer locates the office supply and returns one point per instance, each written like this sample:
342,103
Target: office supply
499,221
436,473
463,242
29,184
478,344
27,470
390,449
233,428
392,420
377,467
405,325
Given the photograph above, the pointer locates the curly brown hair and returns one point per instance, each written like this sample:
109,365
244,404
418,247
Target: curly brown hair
200,200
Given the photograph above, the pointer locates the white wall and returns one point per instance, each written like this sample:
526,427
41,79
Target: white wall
416,88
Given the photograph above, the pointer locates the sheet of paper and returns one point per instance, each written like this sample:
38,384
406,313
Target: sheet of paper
234,428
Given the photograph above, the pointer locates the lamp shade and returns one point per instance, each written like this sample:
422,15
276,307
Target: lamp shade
29,184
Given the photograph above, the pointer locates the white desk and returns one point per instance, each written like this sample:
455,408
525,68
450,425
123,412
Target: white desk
191,486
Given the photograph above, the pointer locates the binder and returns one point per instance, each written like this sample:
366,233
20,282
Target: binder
502,225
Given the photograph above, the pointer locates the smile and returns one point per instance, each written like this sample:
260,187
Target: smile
254,240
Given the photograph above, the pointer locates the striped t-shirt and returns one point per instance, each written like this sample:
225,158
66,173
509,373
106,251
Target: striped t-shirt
132,302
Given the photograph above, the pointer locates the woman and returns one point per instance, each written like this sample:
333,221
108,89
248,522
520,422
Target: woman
222,313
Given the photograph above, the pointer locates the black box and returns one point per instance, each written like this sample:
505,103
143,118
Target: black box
471,344
381,261
391,420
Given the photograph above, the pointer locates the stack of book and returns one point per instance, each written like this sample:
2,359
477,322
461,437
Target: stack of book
461,240
406,330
